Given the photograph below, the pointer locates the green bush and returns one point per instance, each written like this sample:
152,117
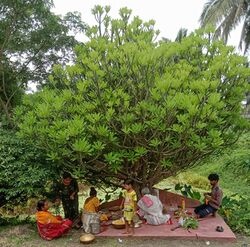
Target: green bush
236,211
24,170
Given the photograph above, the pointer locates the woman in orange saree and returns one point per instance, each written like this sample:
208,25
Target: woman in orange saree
50,226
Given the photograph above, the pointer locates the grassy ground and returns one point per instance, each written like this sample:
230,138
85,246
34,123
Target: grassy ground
26,236
233,166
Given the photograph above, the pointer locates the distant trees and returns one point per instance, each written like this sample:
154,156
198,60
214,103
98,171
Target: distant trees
32,40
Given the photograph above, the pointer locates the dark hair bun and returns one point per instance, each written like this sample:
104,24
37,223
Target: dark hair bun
40,205
93,191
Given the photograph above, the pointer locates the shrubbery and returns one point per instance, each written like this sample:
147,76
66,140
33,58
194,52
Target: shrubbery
236,212
24,170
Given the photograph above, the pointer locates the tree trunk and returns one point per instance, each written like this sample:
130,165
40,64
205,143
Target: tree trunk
138,187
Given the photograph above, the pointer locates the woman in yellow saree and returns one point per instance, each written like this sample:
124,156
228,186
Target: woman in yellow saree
90,214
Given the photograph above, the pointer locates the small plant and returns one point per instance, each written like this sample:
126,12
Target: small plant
187,191
190,223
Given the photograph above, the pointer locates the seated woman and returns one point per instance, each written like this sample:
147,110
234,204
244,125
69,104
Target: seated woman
50,226
150,208
90,211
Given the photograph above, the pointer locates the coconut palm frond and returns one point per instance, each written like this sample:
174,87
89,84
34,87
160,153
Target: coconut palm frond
182,33
215,10
226,15
245,33
247,41
241,11
228,23
218,32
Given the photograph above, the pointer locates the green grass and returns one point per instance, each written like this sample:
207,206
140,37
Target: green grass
27,236
233,166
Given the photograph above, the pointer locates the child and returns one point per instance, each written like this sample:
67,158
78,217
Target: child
129,206
213,199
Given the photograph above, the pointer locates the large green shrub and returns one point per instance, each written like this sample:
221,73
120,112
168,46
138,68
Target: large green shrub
236,210
24,170
132,107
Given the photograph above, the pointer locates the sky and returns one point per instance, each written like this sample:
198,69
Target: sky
170,15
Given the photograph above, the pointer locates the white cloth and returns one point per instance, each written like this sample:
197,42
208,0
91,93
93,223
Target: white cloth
153,214
88,219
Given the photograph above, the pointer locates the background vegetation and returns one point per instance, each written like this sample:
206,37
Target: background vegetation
233,166
127,106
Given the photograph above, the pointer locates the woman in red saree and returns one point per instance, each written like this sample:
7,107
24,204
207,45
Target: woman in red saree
50,226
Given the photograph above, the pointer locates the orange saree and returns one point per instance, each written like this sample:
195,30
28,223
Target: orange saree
50,226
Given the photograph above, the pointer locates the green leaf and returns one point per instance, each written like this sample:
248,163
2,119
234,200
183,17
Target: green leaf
83,146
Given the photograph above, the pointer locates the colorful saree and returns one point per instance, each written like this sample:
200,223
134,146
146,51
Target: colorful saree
50,227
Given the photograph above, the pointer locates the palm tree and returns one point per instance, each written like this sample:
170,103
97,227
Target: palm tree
226,15
182,33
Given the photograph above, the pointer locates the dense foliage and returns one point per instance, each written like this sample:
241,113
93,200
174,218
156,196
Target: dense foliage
24,170
132,107
236,211
32,40
238,160
233,167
